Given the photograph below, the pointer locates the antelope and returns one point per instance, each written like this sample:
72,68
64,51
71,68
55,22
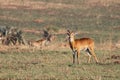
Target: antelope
76,45
38,43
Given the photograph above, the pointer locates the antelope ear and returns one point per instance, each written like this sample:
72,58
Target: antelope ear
76,33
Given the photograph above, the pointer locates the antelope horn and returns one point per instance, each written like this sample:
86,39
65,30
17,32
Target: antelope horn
68,31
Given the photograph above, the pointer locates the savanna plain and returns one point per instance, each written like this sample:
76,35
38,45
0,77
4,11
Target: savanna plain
97,19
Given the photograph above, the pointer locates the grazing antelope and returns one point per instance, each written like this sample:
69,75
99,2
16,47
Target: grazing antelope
77,45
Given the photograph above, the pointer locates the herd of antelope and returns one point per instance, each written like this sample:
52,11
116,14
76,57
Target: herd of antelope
76,45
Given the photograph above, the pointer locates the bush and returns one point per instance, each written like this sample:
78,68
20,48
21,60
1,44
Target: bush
11,35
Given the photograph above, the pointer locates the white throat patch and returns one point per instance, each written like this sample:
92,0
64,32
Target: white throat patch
71,39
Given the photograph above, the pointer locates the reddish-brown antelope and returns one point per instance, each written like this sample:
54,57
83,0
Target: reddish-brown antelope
77,45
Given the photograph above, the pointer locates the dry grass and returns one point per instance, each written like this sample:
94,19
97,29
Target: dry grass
28,4
10,18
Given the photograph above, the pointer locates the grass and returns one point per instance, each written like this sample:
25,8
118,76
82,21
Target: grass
97,19
56,65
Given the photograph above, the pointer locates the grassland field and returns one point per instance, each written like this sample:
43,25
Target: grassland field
97,19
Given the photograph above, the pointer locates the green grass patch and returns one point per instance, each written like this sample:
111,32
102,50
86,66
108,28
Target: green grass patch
56,65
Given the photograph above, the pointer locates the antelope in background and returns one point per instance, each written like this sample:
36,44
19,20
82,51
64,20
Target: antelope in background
47,37
38,43
77,45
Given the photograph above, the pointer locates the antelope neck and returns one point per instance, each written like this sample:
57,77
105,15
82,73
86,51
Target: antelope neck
72,39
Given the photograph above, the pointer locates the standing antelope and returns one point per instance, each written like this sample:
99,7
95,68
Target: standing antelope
77,45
